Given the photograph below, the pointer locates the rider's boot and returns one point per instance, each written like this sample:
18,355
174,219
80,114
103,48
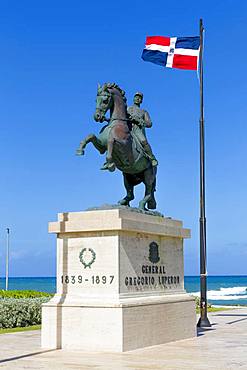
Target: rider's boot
110,166
148,150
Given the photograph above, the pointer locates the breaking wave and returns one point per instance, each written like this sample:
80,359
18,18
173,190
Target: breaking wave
225,294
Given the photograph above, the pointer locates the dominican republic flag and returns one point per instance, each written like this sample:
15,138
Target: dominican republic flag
173,52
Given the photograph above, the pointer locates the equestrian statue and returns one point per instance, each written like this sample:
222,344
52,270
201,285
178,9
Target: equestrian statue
124,141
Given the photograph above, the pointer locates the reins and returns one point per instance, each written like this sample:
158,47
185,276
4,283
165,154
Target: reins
118,119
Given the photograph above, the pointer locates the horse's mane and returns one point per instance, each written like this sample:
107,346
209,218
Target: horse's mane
110,85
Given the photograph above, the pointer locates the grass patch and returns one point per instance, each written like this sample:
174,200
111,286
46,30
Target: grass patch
24,328
18,294
215,309
210,308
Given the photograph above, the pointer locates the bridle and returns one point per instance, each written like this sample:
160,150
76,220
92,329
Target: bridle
103,112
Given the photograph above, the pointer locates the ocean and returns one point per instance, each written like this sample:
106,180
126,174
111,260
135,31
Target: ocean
222,290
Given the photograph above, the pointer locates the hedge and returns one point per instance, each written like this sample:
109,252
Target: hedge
21,312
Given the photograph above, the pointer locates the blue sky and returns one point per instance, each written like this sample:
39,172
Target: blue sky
53,54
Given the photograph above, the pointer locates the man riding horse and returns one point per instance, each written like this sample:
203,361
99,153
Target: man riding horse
124,141
139,119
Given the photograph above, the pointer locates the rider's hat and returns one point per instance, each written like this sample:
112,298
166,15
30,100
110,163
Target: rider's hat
139,93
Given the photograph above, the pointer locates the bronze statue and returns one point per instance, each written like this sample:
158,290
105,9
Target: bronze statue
124,149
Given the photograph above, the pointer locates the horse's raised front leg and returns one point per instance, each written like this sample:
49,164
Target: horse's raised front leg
90,139
130,192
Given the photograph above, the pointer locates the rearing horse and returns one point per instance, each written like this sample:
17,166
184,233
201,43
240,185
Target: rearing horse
123,149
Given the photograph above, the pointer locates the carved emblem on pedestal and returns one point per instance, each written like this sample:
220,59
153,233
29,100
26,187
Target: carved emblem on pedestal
154,252
87,257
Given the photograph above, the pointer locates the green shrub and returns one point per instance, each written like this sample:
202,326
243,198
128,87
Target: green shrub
197,300
21,312
23,294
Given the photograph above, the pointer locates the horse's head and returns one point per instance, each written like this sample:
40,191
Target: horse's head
104,102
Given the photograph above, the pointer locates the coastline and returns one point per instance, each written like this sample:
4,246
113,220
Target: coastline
229,306
226,291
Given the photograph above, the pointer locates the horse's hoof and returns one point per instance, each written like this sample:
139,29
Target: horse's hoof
108,166
105,166
124,202
142,206
111,167
152,204
80,152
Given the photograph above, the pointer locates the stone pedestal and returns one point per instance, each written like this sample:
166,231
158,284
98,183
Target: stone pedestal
120,282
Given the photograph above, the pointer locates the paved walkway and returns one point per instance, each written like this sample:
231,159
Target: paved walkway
222,347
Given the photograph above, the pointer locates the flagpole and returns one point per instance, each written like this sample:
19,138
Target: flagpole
203,321
7,261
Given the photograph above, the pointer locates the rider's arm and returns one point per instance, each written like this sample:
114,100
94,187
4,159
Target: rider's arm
135,120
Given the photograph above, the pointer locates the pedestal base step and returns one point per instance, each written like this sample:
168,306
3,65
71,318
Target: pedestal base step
118,329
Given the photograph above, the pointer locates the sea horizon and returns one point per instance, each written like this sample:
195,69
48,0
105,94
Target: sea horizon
225,290
53,276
